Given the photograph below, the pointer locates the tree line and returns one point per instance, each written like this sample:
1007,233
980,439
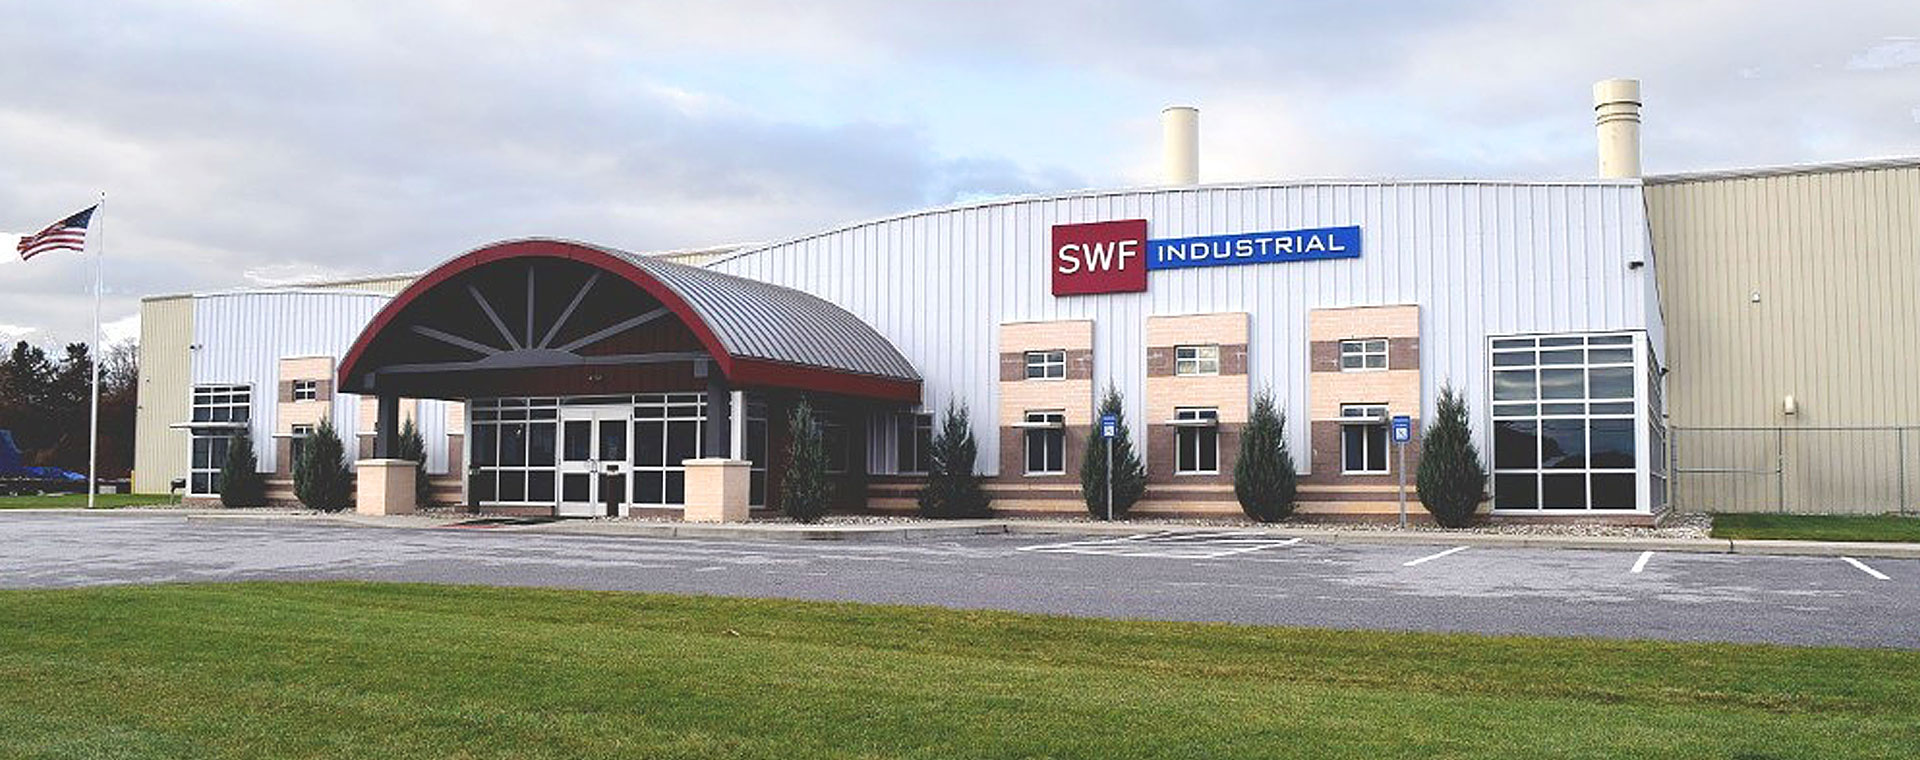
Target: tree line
44,400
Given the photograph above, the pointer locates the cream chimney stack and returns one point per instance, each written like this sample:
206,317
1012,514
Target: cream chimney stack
1180,145
1616,118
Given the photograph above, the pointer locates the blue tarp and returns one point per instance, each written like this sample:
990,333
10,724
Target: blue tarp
12,465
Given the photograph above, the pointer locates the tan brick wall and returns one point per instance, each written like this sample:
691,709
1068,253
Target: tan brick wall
289,412
1183,329
1070,334
1018,395
1329,388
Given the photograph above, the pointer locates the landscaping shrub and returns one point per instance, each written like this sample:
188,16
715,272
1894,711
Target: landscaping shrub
413,447
953,489
321,480
241,484
806,492
1263,477
1452,481
1129,477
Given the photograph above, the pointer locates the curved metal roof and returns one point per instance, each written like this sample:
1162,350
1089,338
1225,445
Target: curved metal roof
760,334
775,323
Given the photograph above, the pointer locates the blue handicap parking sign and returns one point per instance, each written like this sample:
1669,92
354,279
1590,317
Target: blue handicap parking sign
1402,428
1109,425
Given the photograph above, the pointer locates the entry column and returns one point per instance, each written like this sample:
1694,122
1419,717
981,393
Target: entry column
717,484
385,484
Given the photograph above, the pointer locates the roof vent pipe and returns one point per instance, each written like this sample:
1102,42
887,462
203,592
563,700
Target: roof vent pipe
1180,145
1616,118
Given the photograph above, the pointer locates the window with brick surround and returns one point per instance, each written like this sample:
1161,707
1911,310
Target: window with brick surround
1363,355
306,390
1363,439
1047,365
1046,438
298,439
1196,441
1195,360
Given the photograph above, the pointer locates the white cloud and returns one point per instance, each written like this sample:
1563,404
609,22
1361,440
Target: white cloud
1895,53
11,333
122,330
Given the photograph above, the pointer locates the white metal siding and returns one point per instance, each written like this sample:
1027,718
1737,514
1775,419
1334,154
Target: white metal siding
242,336
1479,258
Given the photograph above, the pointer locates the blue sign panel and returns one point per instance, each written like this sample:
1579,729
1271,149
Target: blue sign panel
1254,248
1402,428
1109,425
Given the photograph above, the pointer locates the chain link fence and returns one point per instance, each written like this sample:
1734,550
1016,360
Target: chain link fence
1802,470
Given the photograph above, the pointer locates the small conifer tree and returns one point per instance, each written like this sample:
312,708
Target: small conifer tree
321,481
953,489
1452,481
1129,476
806,492
413,447
240,482
1263,476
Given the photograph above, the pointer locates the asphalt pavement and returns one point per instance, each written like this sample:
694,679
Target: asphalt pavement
1223,576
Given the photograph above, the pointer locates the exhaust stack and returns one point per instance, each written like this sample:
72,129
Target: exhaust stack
1180,145
1616,119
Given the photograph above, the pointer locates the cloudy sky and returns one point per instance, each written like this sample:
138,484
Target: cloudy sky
265,142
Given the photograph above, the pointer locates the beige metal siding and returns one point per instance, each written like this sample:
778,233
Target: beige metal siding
159,451
1833,255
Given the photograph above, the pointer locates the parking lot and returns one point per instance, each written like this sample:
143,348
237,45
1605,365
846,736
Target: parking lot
1225,576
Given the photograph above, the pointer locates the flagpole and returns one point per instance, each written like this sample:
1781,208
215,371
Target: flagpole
93,418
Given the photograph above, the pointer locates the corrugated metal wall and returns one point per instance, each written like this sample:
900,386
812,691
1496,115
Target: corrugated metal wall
1797,282
1480,258
243,336
160,452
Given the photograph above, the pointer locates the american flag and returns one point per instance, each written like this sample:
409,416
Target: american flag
69,234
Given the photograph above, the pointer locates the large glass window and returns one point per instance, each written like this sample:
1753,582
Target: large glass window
1046,365
1563,422
1196,441
1363,439
1196,360
298,445
222,403
209,456
1046,435
668,429
514,446
1363,355
914,443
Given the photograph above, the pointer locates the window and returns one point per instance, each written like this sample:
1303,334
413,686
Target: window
1363,355
515,450
1046,365
1563,422
209,456
1196,360
222,403
306,390
298,439
1196,441
1363,441
833,440
756,448
914,443
1046,436
668,430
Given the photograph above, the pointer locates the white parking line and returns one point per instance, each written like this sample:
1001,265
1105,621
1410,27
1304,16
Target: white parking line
1411,563
1863,568
1169,545
1641,563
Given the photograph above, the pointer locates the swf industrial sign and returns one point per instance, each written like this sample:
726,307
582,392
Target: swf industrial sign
1114,257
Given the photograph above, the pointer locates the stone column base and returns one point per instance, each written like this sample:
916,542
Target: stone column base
386,487
717,490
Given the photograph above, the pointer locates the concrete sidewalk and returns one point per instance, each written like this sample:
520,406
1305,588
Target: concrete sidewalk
939,529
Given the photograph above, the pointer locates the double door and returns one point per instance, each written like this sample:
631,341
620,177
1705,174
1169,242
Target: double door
595,468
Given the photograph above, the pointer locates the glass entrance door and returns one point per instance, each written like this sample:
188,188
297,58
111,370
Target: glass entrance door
594,468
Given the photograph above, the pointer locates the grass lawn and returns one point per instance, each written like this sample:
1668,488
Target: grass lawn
1817,527
76,501
404,671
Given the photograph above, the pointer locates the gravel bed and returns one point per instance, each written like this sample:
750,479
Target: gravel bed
1691,525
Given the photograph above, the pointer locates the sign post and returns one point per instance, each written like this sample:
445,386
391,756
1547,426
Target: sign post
1109,427
1402,434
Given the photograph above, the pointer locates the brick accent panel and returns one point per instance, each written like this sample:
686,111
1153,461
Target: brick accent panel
1162,453
1233,358
1013,457
1325,438
283,457
1018,395
1079,364
1160,361
1323,356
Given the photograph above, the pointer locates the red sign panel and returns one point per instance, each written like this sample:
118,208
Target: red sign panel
1099,257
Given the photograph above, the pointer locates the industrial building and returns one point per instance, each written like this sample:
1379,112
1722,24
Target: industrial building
576,379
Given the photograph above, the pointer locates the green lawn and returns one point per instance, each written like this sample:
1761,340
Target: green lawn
1817,527
76,501
404,671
